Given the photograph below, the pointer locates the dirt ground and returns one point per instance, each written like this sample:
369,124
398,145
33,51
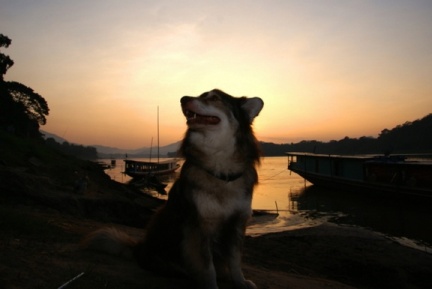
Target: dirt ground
42,221
41,251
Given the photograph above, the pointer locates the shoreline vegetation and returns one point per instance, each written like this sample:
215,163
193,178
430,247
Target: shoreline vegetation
49,201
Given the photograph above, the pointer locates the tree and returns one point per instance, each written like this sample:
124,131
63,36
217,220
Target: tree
5,61
36,106
22,110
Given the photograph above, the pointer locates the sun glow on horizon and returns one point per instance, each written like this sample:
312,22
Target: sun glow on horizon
323,71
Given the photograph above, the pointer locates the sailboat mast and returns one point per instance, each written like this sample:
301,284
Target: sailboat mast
151,148
158,134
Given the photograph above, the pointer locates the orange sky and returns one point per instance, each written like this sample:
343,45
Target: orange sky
325,69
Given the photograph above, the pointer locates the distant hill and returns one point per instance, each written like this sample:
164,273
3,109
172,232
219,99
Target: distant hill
47,135
77,150
113,152
110,152
410,137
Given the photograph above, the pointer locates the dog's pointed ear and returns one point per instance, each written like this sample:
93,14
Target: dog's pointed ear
252,106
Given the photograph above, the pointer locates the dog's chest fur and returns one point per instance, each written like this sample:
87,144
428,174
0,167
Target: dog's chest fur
216,200
215,212
220,201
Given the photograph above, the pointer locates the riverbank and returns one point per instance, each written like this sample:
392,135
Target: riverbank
41,250
43,217
351,256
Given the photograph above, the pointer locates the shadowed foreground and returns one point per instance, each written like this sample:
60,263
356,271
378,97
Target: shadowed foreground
42,221
41,251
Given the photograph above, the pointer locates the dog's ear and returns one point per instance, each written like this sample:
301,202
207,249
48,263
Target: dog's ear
252,106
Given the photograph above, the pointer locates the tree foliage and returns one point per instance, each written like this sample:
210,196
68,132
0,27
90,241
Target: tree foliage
5,61
410,137
22,110
35,105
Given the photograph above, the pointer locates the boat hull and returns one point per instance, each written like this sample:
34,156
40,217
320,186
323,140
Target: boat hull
361,186
140,169
143,174
365,173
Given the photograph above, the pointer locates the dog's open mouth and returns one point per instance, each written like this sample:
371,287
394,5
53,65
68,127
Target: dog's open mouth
195,118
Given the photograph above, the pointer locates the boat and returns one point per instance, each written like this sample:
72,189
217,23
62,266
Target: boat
143,169
147,169
151,171
401,174
149,174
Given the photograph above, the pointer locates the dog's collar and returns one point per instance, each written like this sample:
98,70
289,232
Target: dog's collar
225,177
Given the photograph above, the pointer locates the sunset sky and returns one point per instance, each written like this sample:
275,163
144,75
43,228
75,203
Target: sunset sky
325,69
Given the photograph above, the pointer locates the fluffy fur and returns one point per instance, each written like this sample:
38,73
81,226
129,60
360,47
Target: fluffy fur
200,229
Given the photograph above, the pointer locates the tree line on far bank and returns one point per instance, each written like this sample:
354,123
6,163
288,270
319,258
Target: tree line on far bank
79,151
409,138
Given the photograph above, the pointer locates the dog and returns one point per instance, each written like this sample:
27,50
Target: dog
200,229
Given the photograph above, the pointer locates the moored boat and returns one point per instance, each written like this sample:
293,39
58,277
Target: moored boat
142,169
401,174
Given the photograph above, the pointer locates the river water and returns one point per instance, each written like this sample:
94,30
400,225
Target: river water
300,204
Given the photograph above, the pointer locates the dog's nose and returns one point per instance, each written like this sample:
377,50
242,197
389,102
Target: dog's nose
185,99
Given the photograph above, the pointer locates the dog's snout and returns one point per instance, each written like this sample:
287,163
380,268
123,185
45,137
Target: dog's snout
185,99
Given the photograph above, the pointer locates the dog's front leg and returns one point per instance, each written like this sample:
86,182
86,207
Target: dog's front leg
236,272
236,238
198,258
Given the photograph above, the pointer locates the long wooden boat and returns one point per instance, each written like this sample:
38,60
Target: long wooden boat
402,174
141,169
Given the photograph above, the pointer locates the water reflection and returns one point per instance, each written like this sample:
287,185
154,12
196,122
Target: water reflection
394,216
302,205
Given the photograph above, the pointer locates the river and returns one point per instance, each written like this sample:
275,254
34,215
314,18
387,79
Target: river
301,204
